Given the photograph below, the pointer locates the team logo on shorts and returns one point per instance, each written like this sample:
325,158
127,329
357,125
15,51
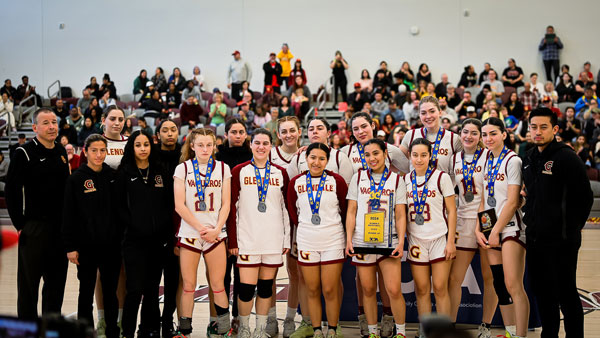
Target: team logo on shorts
158,181
305,255
244,258
191,240
89,186
360,257
415,251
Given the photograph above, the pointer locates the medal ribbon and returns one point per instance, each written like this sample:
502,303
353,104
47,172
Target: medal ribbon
436,146
361,152
263,186
493,171
419,205
470,169
376,190
201,188
315,202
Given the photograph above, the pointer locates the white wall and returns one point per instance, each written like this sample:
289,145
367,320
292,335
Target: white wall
122,37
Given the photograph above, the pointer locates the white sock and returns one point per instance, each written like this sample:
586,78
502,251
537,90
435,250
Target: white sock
120,315
401,328
373,328
212,319
261,321
512,329
290,313
273,312
244,321
100,314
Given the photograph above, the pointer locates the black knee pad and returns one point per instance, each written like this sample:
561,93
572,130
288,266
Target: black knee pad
265,288
246,292
499,285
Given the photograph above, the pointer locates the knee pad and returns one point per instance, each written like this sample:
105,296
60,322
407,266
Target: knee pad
499,285
246,292
265,288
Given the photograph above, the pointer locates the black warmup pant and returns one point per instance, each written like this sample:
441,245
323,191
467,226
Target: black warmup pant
235,91
550,65
341,85
552,273
171,283
41,255
231,260
108,261
143,269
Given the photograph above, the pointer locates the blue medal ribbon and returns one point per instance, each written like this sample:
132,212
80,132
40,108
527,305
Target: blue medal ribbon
436,146
493,171
361,153
470,169
377,189
201,188
419,204
263,186
315,202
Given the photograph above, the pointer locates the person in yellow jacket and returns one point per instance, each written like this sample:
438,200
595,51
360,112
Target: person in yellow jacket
285,58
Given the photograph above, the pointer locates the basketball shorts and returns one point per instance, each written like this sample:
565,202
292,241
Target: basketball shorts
324,257
198,244
268,261
426,251
465,234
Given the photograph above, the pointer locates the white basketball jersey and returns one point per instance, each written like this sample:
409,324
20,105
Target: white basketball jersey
279,157
359,190
329,234
338,163
395,156
508,174
252,231
469,209
439,186
114,151
449,145
212,195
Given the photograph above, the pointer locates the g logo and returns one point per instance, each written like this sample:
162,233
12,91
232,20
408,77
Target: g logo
415,251
305,255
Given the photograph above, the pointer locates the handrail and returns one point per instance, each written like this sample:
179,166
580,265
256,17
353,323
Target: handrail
24,112
6,126
58,94
321,99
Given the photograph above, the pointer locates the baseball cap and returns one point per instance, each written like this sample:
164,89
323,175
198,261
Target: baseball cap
272,54
235,52
357,85
381,133
546,99
470,108
149,83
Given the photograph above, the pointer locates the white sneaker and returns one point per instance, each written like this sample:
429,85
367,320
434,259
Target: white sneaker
484,332
244,332
260,333
289,326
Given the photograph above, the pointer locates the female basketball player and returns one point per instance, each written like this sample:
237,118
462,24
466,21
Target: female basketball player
258,230
388,188
502,186
431,228
468,176
317,206
202,187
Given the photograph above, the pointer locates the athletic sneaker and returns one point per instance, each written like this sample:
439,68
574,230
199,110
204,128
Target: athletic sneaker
507,334
338,331
363,325
387,326
168,330
120,326
101,328
373,335
303,331
289,326
212,329
331,333
272,328
318,334
399,335
244,332
260,333
484,332
235,325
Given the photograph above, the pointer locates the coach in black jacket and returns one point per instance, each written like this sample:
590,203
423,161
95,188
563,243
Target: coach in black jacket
559,199
90,235
272,70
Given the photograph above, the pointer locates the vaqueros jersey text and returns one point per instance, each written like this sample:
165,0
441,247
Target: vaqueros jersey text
212,194
469,209
439,185
508,174
279,157
359,190
449,145
395,157
329,234
338,163
254,232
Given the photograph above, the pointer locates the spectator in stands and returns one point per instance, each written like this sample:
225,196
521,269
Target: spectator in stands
66,129
285,57
569,127
368,109
218,111
388,125
106,100
63,140
380,82
387,74
191,113
159,80
496,86
300,102
529,98
422,88
461,107
261,118
155,103
592,126
247,97
75,119
59,109
238,72
270,97
409,76
147,94
401,91
550,92
365,80
198,78
145,127
549,47
510,122
583,82
273,71
536,85
21,139
108,85
393,109
6,111
452,97
547,102
564,70
72,158
588,112
566,89
378,106
298,83
514,106
284,107
84,102
342,132
483,76
424,73
178,79
411,108
8,89
191,90
587,71
93,87
584,101
430,90
24,90
512,76
246,115
87,130
94,111
272,124
446,111
173,97
479,100
297,71
139,84
338,66
128,127
582,149
468,78
441,88
357,98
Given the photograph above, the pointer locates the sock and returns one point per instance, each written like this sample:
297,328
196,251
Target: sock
487,326
317,328
512,329
334,328
273,312
120,315
100,314
221,310
290,313
261,321
306,318
401,328
244,321
212,319
372,328
387,310
361,310
185,323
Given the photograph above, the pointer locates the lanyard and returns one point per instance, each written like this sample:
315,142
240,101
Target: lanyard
493,171
436,146
201,188
361,153
376,190
315,202
419,205
470,169
263,186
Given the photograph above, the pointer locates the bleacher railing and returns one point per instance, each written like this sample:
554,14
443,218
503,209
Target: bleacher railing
322,96
58,94
24,112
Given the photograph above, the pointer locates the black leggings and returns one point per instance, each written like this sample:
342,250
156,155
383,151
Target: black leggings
171,281
550,65
341,85
231,260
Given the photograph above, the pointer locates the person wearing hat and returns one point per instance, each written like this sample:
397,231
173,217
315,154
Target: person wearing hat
285,57
357,98
238,72
584,102
461,107
273,71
